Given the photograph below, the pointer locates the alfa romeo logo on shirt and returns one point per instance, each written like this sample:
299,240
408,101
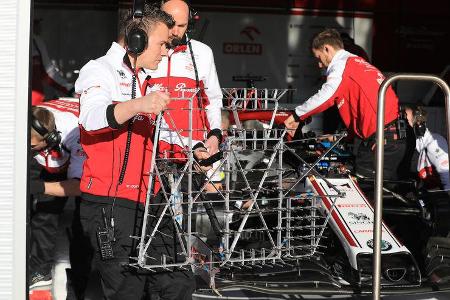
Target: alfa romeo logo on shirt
121,74
180,86
385,245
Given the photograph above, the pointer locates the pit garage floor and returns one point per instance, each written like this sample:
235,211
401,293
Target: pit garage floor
94,292
62,260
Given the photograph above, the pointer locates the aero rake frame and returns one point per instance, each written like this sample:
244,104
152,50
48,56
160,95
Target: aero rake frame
298,228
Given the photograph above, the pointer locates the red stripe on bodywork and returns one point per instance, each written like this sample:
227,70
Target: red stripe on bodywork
334,214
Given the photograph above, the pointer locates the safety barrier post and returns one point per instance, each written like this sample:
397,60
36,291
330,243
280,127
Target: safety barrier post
380,161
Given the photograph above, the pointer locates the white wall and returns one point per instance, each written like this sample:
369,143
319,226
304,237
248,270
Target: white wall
14,52
278,45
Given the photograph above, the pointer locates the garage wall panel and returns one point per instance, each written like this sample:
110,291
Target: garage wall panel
14,52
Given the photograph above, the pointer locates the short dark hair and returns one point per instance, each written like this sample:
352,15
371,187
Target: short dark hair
44,117
151,16
420,115
328,36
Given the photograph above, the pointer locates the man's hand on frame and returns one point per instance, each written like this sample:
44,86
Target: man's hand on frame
291,125
212,144
201,154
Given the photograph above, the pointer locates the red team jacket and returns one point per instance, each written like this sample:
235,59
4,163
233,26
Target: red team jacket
102,82
176,73
352,85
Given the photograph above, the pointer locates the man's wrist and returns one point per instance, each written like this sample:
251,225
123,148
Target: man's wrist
136,105
296,117
198,145
111,118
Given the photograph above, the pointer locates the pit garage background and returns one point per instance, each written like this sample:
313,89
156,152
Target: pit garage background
399,36
270,40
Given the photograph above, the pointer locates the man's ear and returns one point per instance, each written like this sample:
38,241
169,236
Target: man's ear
326,49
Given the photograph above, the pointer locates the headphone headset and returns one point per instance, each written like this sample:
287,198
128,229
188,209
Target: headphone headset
52,138
136,39
419,121
192,18
192,15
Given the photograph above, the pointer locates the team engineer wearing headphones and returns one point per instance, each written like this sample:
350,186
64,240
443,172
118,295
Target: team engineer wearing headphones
432,150
189,65
117,114
118,131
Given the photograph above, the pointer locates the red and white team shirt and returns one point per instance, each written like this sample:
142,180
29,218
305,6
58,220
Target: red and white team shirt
433,155
70,155
352,85
176,74
101,83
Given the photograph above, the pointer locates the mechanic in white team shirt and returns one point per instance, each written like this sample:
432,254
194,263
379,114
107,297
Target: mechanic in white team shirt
432,148
55,142
55,170
189,65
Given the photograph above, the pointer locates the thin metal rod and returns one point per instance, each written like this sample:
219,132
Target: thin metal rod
142,248
380,161
254,197
311,166
280,202
190,177
172,213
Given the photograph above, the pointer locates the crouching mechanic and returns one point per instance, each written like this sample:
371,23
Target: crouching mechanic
117,115
432,149
352,85
55,170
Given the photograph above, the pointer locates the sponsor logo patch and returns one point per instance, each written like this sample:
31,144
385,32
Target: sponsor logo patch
250,33
358,218
385,245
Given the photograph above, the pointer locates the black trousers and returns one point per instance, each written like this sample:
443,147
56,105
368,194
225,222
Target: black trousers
119,280
44,215
44,212
44,225
365,161
80,254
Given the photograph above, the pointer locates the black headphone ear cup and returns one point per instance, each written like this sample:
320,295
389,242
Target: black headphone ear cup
53,139
420,129
191,20
136,41
38,127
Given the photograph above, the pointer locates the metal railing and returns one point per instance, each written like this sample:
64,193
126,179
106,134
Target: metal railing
380,161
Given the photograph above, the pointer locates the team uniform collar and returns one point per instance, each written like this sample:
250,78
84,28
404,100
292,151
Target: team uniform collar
120,53
116,50
182,46
339,54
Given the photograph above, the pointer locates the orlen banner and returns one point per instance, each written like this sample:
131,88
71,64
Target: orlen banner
275,46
